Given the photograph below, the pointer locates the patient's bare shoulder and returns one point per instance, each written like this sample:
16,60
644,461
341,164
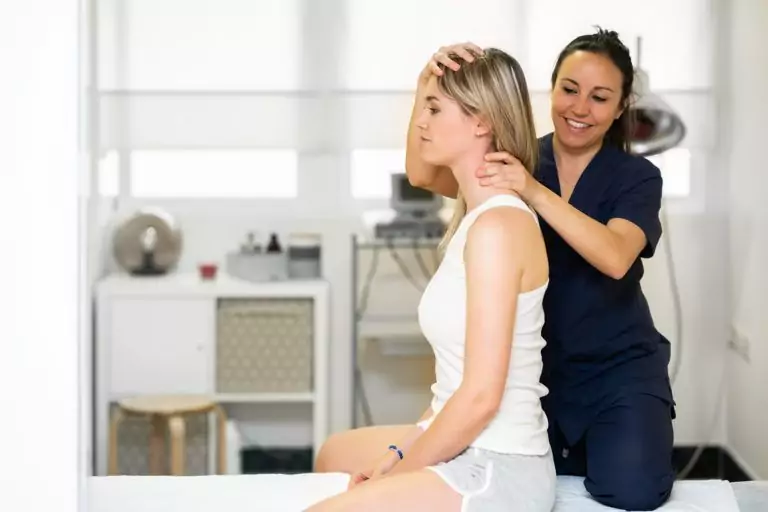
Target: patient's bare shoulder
509,241
503,225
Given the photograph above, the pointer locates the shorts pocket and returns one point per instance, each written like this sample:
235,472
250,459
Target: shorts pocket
468,474
480,473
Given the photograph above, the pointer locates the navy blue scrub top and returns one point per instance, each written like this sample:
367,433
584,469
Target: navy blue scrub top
601,339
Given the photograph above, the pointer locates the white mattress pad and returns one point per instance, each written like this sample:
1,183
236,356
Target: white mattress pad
284,493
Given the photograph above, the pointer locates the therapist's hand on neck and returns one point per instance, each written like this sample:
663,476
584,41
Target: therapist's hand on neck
505,172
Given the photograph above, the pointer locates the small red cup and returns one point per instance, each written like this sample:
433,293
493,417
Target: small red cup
208,270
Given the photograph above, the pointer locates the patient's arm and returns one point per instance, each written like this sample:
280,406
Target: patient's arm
407,441
494,261
389,458
426,416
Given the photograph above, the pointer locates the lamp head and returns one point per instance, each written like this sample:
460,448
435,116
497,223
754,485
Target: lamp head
657,128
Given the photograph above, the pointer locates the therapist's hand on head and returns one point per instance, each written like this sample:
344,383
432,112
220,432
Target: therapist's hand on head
503,171
442,56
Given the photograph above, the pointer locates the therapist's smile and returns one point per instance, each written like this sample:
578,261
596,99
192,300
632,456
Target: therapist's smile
577,125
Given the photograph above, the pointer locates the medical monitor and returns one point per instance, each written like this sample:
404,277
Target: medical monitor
409,201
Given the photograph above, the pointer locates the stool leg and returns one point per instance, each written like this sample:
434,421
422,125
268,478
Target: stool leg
114,427
177,427
157,446
221,431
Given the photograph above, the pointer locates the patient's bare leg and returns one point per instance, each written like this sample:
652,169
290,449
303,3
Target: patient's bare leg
415,491
355,450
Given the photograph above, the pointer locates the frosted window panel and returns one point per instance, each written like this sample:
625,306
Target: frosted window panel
214,174
109,174
371,172
389,42
675,166
676,37
108,33
205,44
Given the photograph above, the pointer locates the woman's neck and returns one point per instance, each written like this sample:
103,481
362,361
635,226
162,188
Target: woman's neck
572,162
474,194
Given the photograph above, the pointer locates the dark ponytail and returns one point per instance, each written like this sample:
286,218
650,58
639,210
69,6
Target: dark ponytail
608,44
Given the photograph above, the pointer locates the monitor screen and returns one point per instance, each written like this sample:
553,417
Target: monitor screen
410,193
409,200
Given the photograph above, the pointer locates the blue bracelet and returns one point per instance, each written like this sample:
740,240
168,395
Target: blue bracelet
396,449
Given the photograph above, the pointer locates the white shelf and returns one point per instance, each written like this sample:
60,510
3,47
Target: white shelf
404,347
396,336
265,398
190,285
250,398
157,335
390,327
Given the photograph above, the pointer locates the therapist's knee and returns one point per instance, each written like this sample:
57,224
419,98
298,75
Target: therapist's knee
630,491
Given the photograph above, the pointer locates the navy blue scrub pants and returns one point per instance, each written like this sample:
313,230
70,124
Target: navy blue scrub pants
625,455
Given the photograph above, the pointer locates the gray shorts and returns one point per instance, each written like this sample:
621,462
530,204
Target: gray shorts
496,482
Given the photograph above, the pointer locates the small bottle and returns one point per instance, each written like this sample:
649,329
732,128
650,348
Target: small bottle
274,244
250,246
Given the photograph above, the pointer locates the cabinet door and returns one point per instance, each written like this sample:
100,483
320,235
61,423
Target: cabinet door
161,346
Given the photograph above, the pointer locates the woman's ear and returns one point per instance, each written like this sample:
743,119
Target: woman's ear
621,109
482,128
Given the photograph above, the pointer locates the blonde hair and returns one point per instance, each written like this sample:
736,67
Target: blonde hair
493,87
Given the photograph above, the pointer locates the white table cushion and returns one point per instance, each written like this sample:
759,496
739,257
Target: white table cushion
283,493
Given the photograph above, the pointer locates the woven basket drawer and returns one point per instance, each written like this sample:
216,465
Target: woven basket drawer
133,445
264,345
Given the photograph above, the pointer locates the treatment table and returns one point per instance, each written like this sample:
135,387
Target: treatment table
293,493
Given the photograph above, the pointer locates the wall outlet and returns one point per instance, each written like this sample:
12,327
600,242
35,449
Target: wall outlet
739,343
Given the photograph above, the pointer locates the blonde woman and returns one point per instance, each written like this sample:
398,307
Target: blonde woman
482,445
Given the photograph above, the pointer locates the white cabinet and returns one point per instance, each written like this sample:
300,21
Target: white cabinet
160,346
168,335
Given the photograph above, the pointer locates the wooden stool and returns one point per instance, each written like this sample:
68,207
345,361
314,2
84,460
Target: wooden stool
169,410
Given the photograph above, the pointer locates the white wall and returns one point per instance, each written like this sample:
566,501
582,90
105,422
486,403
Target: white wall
40,252
746,66
699,268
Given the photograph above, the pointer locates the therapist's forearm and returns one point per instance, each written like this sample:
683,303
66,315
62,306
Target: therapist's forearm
459,423
594,241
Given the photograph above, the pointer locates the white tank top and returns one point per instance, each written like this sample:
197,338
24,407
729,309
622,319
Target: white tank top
520,425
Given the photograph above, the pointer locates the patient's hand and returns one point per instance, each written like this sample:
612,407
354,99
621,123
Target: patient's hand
381,468
358,478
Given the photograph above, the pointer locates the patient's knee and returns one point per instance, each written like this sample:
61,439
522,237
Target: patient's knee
330,457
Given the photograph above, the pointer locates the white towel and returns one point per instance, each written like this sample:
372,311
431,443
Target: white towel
293,493
687,496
